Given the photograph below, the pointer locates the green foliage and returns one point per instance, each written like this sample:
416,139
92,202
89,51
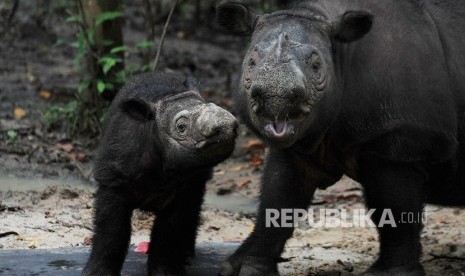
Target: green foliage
57,113
107,16
145,44
12,135
97,63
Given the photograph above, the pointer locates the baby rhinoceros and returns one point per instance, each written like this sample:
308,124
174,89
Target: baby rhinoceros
161,141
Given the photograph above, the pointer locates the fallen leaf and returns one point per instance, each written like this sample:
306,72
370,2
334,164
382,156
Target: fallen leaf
251,228
257,161
330,198
442,219
88,240
34,244
68,194
19,113
30,77
347,265
232,239
227,102
253,144
219,172
351,197
142,248
66,147
44,94
79,156
43,49
225,189
182,35
240,168
241,184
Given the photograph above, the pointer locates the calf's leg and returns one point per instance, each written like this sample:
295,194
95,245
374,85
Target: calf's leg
174,232
112,231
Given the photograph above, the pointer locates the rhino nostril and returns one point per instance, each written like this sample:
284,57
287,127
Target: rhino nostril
257,92
211,132
296,95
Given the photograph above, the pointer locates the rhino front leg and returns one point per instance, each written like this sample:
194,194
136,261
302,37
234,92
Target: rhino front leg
173,236
112,232
282,188
395,190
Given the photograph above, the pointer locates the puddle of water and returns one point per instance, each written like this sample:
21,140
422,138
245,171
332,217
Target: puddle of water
62,264
232,203
24,184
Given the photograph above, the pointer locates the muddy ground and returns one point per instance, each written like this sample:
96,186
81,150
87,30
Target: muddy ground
46,185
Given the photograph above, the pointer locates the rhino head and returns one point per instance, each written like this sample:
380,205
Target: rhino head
289,85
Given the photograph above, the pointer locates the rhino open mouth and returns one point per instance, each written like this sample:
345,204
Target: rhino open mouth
279,129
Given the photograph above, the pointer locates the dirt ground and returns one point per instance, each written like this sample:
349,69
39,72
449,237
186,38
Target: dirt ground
46,186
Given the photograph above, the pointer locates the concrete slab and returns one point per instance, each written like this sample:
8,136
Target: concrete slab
71,261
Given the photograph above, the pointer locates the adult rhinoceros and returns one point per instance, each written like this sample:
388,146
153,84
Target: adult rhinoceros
374,89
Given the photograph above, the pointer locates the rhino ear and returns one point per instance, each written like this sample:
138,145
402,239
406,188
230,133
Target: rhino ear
352,25
236,18
137,109
191,84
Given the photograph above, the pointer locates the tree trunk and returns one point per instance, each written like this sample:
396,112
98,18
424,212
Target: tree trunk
110,30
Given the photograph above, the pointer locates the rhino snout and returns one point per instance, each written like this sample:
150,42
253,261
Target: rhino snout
216,126
290,103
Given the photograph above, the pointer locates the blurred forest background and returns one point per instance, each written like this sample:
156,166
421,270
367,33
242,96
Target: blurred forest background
63,61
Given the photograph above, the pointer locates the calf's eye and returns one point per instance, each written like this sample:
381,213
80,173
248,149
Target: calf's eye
182,128
182,125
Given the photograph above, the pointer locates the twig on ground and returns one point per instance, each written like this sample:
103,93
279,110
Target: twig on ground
8,234
437,257
10,150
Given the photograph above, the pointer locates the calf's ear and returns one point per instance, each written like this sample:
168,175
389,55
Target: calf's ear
137,109
191,84
236,18
352,25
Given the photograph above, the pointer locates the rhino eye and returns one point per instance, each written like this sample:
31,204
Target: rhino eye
252,63
182,126
319,75
253,59
315,62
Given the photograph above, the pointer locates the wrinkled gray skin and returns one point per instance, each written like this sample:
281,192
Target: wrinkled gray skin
373,89
191,126
285,73
161,141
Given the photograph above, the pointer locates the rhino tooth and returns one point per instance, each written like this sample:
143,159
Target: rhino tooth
200,145
305,108
255,107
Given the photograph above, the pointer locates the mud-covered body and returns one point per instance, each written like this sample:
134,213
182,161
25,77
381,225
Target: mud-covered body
371,89
160,144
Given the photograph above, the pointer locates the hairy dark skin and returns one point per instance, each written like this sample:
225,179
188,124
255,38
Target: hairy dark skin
161,141
368,88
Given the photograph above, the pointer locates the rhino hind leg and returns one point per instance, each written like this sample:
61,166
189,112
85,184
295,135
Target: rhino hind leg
396,192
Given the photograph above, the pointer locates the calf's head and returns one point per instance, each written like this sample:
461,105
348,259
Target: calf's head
289,86
185,130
